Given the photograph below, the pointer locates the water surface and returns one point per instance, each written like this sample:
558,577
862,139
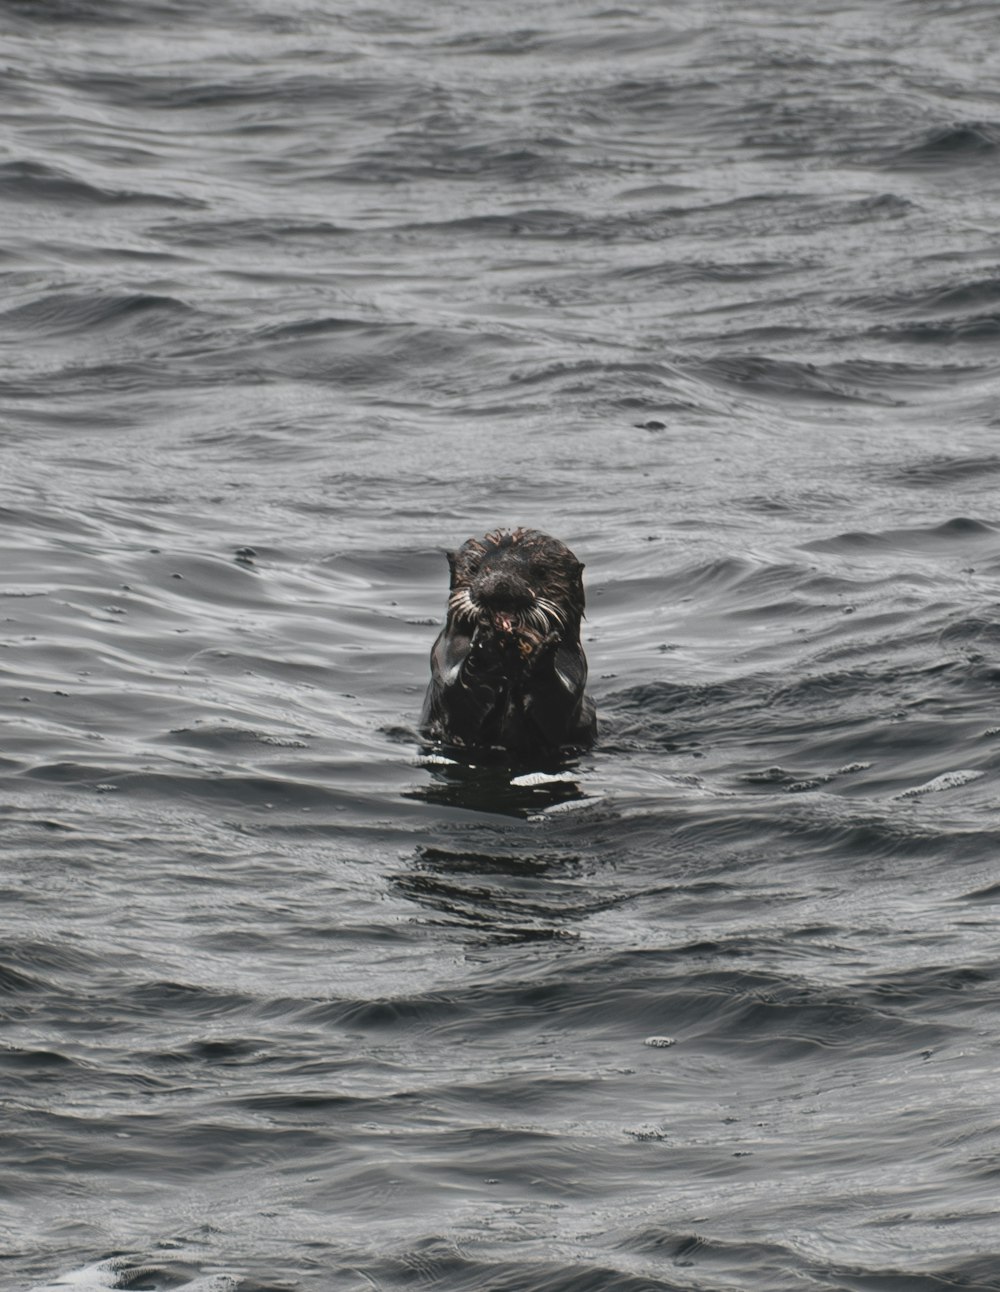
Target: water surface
296,298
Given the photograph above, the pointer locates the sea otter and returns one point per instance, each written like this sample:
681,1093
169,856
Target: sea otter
507,670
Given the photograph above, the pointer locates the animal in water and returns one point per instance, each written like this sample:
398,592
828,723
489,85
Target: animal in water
508,672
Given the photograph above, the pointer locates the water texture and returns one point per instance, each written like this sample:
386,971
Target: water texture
295,298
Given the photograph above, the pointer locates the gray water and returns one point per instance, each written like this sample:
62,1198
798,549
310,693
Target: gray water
295,299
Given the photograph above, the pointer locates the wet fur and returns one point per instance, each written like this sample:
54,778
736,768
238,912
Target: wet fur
508,672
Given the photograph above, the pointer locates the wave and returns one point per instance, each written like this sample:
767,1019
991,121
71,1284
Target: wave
956,145
32,182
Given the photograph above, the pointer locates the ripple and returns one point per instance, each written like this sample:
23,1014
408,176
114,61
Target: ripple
59,314
954,145
32,181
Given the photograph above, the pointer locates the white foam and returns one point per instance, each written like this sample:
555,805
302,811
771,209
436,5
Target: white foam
103,1274
120,1271
543,778
946,781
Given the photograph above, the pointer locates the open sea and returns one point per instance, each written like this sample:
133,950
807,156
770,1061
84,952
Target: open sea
299,295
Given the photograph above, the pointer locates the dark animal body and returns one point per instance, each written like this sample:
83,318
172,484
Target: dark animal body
507,670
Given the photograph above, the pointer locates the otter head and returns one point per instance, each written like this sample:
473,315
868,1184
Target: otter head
516,579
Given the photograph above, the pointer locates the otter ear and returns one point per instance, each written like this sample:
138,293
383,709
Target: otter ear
580,594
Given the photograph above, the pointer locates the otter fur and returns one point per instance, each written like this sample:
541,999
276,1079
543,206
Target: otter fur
507,670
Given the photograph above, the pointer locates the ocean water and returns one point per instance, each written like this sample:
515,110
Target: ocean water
295,298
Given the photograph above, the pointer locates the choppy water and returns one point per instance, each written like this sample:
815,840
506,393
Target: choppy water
295,297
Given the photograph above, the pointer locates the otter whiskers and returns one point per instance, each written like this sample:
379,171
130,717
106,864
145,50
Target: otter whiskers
461,605
543,617
548,610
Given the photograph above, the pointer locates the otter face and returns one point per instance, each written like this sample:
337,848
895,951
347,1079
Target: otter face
513,580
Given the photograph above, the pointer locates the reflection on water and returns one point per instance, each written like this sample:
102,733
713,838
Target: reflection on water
497,788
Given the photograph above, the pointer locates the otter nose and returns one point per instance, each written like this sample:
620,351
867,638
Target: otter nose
502,588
